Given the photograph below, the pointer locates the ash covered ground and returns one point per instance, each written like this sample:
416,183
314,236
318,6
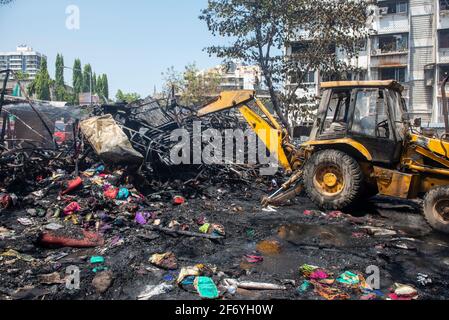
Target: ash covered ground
388,234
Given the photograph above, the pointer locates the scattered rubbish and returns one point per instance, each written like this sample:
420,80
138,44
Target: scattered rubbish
189,271
53,226
423,279
25,221
123,194
330,293
141,217
73,185
304,287
155,290
84,240
249,285
96,259
166,261
178,200
5,233
403,292
253,258
269,209
15,254
72,208
102,281
206,288
349,278
379,232
335,214
52,278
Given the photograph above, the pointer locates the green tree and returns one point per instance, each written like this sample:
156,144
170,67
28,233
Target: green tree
60,91
126,97
77,79
94,83
258,30
43,82
87,74
20,75
192,86
105,86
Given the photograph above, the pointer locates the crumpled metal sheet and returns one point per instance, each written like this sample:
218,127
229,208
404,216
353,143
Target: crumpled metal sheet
109,141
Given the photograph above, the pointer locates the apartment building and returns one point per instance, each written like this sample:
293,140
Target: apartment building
238,76
410,44
24,59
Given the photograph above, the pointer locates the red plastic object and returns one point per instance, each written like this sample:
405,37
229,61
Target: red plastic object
72,208
111,193
178,200
73,185
89,240
5,200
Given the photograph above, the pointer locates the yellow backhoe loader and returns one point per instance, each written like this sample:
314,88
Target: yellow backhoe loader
362,144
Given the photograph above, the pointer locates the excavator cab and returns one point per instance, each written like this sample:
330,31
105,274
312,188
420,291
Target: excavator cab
361,118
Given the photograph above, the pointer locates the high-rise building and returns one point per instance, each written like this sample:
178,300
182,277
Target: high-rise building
410,44
237,76
24,59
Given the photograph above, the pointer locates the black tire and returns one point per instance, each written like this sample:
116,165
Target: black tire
350,173
436,208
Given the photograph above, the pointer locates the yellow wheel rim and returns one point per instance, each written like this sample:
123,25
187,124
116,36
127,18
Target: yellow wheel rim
328,180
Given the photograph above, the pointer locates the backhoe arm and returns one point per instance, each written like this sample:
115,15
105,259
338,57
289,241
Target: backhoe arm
267,129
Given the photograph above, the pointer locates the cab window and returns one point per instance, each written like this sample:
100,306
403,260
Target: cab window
336,119
371,115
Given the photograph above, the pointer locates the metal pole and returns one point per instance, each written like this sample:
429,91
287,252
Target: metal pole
90,89
445,108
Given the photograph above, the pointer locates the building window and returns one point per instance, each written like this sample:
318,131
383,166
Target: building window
310,77
397,74
304,46
444,72
443,38
393,43
444,4
392,7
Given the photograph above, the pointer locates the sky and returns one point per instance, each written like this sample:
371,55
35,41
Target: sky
132,41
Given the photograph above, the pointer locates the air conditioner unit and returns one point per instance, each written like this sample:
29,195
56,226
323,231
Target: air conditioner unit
383,11
376,52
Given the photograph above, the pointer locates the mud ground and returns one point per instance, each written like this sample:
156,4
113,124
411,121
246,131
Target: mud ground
337,244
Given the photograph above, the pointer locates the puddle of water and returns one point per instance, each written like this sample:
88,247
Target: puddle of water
325,235
269,247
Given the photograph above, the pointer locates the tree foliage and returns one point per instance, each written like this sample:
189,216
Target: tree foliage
42,82
60,92
77,79
258,31
192,86
102,87
87,74
127,97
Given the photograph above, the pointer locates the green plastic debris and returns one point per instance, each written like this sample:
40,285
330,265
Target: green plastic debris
250,233
99,269
349,278
206,288
304,287
205,228
96,259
